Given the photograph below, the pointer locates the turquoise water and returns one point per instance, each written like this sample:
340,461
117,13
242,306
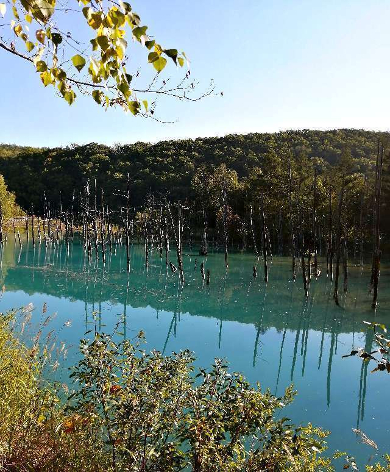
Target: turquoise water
269,332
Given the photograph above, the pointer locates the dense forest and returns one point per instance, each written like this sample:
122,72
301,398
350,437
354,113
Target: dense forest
175,167
281,169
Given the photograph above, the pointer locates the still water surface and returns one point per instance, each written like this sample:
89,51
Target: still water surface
270,332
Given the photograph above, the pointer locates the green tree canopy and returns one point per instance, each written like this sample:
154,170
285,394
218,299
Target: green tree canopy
8,207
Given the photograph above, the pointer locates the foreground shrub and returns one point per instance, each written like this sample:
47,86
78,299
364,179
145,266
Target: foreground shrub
150,413
138,411
31,414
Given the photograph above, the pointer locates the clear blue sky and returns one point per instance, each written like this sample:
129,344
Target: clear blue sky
281,65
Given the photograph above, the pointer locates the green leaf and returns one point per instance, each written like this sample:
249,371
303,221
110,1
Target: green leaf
95,20
56,38
153,56
139,31
97,96
180,60
103,42
78,62
125,89
150,44
47,78
41,66
172,53
41,9
134,107
59,74
30,46
95,44
146,105
160,64
125,6
87,12
117,17
70,96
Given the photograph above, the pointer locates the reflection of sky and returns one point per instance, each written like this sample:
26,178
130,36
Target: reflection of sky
298,351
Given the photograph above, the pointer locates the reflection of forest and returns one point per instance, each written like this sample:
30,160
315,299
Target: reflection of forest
280,305
232,296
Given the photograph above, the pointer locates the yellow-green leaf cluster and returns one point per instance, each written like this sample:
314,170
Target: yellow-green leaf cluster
103,63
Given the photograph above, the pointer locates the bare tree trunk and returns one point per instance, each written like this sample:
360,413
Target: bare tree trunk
339,237
178,234
345,265
315,227
127,224
32,226
330,245
361,230
225,226
293,249
179,246
265,239
252,227
166,240
377,238
204,245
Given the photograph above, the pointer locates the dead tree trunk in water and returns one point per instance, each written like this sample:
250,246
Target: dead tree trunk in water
166,240
103,230
127,223
339,237
376,259
32,225
305,269
330,245
95,224
292,229
345,265
160,232
315,227
145,225
27,228
304,274
204,245
361,230
225,225
252,227
265,238
178,235
179,247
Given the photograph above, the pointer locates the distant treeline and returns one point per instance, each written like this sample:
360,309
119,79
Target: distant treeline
290,174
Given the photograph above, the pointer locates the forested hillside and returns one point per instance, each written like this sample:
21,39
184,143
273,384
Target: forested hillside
294,176
171,167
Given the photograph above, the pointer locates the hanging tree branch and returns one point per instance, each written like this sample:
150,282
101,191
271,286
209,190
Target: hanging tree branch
101,63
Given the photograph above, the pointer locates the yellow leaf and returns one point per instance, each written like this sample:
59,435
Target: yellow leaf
18,30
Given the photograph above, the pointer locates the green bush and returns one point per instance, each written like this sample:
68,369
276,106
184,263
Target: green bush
136,411
150,413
